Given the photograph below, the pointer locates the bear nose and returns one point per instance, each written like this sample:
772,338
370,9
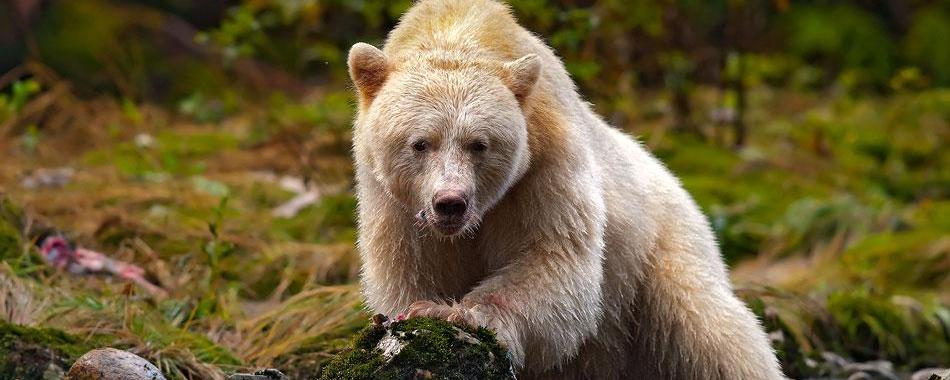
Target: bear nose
449,203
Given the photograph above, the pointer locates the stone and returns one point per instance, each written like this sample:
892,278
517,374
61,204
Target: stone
113,364
421,348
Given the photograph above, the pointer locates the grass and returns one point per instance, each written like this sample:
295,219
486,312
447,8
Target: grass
834,220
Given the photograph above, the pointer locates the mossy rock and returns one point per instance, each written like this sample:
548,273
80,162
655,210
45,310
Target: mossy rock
422,348
36,353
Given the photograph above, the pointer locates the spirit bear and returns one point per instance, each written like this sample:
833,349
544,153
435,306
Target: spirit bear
491,194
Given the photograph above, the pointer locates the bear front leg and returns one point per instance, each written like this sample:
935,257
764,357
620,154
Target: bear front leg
542,305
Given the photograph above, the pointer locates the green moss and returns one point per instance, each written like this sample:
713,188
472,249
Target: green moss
27,353
430,347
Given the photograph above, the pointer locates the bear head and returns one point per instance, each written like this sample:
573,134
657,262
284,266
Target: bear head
445,135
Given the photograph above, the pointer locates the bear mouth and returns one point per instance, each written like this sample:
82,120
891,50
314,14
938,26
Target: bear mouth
448,228
445,227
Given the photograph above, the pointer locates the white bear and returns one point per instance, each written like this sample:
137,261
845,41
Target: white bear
490,193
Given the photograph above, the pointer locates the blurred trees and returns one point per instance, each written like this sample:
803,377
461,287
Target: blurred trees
602,41
175,52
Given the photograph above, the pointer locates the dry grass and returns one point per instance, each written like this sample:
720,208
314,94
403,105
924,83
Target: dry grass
18,301
261,296
314,313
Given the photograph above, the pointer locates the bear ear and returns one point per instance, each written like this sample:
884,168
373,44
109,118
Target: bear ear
522,74
368,69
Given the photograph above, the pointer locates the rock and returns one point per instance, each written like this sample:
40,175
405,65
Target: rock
834,361
47,178
36,353
421,348
264,374
112,364
835,366
931,373
876,369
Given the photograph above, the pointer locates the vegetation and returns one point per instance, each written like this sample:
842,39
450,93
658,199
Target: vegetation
421,348
813,134
29,353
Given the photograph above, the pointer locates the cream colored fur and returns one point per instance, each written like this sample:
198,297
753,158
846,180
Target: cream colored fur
579,248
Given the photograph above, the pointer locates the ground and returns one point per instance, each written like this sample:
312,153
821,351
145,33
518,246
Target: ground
833,217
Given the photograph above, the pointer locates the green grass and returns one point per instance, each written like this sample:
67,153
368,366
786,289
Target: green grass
834,220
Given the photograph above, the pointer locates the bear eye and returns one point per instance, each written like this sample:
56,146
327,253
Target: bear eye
420,145
478,147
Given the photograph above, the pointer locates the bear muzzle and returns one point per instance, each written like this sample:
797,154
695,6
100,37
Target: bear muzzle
449,211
